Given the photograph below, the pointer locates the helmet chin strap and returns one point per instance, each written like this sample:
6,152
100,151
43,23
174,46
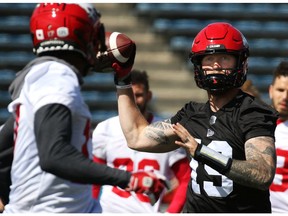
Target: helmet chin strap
217,83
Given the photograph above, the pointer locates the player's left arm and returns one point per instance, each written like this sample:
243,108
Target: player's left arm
257,121
182,172
259,167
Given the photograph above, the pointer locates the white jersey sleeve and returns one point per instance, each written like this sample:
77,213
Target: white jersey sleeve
109,144
279,187
52,83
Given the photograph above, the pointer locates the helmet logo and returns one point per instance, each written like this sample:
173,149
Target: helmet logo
62,32
39,34
215,47
210,46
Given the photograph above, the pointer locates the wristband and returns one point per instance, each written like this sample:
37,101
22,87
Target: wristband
214,159
124,86
124,82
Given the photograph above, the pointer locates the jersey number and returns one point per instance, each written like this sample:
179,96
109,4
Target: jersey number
280,182
129,167
209,181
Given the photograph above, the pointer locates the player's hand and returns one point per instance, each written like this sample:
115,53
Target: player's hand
122,76
150,183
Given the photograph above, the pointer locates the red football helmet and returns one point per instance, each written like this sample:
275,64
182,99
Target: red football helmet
220,37
73,27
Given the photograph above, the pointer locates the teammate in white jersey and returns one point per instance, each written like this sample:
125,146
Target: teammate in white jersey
52,169
278,92
110,147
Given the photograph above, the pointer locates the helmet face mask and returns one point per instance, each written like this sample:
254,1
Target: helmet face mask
220,38
66,27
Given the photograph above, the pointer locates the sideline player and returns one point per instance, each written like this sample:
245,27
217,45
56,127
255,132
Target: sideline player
230,138
110,147
278,92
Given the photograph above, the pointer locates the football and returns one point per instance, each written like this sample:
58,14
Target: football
119,49
119,46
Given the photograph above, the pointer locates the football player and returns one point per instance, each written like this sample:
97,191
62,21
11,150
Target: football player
52,169
110,147
278,92
230,138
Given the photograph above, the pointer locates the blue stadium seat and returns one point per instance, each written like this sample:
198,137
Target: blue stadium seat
248,25
180,43
281,8
275,26
20,39
260,8
18,7
6,75
15,21
234,7
176,25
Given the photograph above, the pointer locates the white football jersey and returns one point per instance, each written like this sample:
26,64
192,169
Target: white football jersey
32,189
279,187
109,144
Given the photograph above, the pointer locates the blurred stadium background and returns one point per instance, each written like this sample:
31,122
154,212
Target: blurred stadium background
163,33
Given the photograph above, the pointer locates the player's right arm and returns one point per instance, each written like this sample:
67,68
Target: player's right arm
156,137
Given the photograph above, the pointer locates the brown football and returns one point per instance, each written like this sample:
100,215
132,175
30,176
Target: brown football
119,47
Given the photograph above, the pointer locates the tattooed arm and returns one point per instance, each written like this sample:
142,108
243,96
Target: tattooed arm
259,167
157,137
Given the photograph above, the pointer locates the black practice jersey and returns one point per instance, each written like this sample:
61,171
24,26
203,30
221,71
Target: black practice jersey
226,132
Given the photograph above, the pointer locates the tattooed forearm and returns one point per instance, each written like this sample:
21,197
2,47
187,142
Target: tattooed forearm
245,173
259,167
155,131
158,136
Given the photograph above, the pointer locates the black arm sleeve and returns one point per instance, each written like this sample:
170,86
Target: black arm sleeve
6,158
53,134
